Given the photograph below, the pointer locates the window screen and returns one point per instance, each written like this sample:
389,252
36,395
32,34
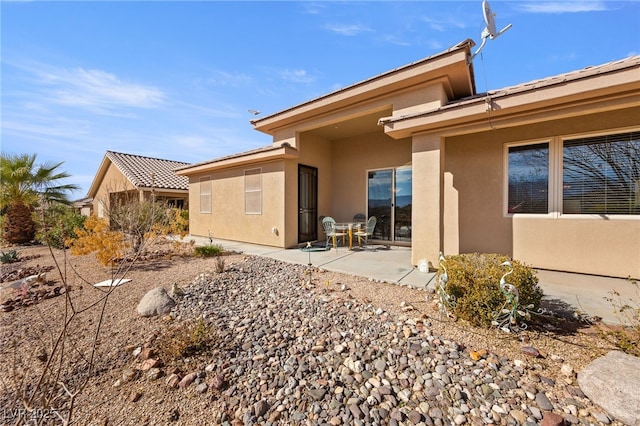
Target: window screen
601,175
253,191
529,178
205,195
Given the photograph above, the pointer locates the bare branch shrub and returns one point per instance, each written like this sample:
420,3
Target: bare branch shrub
52,363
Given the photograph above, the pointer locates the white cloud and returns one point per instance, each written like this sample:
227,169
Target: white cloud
312,8
435,44
225,78
562,7
297,76
347,29
395,40
444,24
98,89
191,142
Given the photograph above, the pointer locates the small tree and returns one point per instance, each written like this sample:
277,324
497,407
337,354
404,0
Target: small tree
138,221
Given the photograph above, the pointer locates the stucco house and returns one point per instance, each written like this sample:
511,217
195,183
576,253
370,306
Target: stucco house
547,172
123,175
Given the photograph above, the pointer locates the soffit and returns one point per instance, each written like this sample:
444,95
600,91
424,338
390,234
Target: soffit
351,127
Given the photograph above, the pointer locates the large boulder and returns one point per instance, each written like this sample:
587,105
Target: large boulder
156,302
612,383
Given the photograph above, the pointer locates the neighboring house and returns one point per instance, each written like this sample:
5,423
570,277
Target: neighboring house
122,176
84,206
546,172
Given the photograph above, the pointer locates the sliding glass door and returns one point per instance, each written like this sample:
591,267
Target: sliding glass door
389,200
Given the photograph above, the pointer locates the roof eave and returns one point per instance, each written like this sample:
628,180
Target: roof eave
97,179
281,152
394,80
496,110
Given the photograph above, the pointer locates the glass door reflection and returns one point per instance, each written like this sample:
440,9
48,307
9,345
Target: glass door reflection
389,199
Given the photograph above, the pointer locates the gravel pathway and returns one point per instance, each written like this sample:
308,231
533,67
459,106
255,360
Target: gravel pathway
288,351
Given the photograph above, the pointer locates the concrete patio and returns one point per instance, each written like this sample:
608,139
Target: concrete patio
581,293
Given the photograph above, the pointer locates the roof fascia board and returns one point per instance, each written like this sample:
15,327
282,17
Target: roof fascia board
571,99
382,85
282,152
482,123
98,178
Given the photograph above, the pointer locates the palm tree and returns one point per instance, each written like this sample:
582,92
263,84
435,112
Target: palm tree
25,186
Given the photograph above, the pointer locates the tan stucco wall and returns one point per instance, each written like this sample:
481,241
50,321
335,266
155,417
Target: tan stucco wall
227,219
596,246
113,181
352,158
428,158
474,176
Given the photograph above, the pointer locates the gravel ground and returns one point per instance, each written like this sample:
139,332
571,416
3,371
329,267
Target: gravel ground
284,347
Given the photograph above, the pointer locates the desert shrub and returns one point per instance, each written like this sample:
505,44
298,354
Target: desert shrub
474,281
57,224
9,256
95,236
139,221
185,339
220,264
208,250
180,220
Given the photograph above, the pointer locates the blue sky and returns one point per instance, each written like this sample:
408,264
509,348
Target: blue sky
175,80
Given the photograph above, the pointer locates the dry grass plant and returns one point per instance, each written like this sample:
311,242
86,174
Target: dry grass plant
627,336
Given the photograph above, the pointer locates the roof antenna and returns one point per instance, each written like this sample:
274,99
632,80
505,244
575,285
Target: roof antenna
490,27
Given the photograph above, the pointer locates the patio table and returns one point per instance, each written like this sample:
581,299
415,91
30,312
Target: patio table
349,227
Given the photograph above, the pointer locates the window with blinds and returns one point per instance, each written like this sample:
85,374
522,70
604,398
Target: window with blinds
205,194
253,191
601,175
528,178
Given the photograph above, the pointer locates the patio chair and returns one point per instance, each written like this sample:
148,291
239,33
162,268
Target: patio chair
359,217
329,225
367,232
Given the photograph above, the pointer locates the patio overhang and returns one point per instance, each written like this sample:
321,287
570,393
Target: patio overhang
450,69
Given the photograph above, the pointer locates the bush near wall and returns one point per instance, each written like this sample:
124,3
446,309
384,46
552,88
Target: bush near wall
474,281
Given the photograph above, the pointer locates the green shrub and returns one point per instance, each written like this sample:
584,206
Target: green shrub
9,256
58,225
208,251
474,281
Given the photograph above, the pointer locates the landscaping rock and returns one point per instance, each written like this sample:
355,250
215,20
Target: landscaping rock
612,383
156,302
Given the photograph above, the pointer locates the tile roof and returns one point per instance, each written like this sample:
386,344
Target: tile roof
147,172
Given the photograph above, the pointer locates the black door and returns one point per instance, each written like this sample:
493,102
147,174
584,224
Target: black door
307,203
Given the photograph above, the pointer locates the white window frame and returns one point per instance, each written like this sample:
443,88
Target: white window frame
208,208
251,192
556,145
